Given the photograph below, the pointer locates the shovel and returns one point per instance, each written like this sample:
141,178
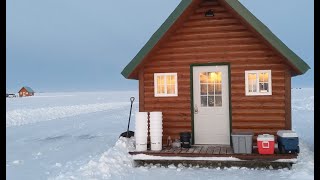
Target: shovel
128,133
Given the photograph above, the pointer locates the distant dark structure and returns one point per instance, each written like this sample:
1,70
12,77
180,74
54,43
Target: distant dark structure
26,91
10,95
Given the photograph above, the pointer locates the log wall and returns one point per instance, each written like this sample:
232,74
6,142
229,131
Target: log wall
222,38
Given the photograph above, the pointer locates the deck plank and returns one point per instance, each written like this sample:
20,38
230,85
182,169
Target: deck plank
216,150
229,150
184,150
191,150
197,150
163,150
223,150
177,150
210,150
167,149
204,150
171,150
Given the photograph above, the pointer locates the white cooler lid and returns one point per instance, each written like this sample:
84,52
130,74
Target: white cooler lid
265,137
287,133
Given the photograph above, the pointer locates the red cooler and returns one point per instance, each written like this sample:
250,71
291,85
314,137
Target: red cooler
265,144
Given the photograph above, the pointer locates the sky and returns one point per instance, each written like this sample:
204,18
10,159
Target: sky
83,45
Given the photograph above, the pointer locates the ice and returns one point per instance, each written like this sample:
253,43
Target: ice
58,165
75,136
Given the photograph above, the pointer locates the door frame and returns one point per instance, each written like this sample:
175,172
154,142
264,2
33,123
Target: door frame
191,94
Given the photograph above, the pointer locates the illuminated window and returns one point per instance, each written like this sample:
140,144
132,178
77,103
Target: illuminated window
210,89
165,84
258,82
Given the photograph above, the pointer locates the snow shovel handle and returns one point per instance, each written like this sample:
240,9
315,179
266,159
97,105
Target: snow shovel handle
131,99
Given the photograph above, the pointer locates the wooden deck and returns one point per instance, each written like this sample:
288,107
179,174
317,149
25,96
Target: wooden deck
213,156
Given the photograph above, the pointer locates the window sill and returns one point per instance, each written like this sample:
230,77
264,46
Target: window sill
259,94
165,95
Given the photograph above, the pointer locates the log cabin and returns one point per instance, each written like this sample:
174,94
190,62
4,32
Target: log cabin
213,68
26,91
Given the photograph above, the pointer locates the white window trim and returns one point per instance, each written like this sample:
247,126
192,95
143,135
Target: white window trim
165,83
258,93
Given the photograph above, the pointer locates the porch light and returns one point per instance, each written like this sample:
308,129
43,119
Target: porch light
209,13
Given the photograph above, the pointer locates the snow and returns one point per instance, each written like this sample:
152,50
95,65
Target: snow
26,116
149,157
75,136
287,160
47,112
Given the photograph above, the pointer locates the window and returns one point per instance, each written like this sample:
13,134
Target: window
258,82
165,84
210,89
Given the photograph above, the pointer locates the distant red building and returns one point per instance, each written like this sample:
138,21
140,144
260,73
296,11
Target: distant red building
26,91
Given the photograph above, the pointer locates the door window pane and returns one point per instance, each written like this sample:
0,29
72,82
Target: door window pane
210,101
204,77
218,89
218,101
203,89
212,77
210,89
204,101
219,77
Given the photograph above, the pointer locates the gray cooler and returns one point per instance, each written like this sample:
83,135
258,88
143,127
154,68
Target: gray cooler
242,142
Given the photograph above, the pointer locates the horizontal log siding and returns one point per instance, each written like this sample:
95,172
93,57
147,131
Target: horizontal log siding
209,40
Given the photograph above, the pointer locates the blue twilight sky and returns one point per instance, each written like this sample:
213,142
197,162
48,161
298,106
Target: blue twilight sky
83,45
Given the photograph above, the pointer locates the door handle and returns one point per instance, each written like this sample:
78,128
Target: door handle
196,109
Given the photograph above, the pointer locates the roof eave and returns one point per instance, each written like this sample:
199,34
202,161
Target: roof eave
263,30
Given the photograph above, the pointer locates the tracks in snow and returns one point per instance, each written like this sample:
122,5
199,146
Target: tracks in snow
27,116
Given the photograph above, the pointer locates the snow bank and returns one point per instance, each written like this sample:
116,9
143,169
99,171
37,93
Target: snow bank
26,116
114,162
148,157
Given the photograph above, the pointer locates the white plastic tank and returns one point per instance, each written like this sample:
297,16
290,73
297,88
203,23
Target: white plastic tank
156,130
141,131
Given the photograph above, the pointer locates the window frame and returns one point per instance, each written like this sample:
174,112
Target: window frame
258,93
156,75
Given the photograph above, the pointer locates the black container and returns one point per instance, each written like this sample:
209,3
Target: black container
185,138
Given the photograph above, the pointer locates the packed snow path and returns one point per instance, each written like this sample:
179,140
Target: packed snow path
75,136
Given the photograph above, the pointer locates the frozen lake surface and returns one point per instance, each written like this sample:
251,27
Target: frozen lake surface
74,135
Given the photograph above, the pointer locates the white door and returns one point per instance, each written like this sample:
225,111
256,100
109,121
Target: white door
211,105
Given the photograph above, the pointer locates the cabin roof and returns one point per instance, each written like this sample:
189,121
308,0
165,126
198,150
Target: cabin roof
28,89
294,60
